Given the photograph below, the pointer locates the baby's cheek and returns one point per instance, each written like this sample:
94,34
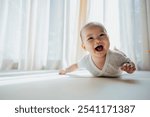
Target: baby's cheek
107,43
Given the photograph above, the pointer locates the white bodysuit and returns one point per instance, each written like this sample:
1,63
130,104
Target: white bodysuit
114,60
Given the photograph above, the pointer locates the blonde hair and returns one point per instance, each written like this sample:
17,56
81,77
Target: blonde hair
90,25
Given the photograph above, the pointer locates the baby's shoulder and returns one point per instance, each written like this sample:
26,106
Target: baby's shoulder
85,57
84,61
115,53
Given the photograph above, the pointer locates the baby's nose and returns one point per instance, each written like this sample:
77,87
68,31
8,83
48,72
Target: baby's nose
98,39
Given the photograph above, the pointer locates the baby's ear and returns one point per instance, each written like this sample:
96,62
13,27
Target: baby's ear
83,46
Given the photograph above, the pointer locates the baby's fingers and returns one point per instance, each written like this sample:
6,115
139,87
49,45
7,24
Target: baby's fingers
62,72
124,67
131,69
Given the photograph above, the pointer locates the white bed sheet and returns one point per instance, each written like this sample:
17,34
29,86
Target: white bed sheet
78,85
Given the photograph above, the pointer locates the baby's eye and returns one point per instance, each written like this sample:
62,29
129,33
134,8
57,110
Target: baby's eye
102,35
90,38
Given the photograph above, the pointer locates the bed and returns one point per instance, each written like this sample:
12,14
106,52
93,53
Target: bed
79,85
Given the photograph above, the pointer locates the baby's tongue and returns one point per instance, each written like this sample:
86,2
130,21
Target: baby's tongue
99,48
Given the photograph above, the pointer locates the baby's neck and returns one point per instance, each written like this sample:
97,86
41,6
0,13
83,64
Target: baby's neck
99,61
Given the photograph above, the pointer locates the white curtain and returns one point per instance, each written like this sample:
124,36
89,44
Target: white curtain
44,34
24,34
37,34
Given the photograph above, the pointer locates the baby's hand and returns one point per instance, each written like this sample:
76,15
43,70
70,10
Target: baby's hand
128,67
62,72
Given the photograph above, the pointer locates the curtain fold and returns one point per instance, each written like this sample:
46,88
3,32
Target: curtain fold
82,20
70,32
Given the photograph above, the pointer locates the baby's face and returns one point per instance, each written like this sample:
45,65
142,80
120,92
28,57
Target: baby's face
95,41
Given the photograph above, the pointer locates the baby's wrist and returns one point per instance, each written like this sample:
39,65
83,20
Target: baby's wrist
130,63
67,70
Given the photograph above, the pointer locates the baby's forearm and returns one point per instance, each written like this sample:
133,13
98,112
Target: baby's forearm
131,63
71,68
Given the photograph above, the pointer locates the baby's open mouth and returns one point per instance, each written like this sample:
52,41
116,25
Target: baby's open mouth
99,48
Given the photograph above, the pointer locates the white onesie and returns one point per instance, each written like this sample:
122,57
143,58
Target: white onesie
114,60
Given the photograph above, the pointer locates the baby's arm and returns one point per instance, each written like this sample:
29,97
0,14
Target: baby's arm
129,67
71,68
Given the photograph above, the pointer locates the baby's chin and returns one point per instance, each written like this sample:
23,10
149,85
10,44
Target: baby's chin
100,54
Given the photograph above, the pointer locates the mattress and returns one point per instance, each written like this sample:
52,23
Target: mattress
79,85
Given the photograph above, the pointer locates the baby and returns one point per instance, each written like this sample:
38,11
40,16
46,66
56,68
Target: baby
101,61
